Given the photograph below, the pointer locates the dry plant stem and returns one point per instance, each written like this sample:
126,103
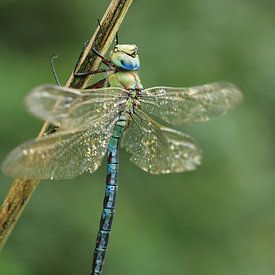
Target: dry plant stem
22,189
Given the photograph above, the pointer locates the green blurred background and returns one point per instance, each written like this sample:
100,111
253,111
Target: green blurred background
217,220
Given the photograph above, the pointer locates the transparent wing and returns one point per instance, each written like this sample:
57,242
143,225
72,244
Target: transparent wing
158,149
180,106
71,108
62,155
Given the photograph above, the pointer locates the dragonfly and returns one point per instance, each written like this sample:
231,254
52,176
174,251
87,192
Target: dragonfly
118,112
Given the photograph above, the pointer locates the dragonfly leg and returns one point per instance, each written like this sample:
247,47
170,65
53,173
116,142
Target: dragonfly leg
53,57
81,54
100,84
104,59
98,71
116,39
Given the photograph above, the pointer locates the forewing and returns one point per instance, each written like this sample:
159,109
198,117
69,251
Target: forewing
62,155
71,108
180,106
157,149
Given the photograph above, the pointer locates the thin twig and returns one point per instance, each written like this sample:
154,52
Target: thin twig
22,189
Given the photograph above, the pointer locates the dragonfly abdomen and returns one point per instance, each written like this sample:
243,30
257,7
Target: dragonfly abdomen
110,197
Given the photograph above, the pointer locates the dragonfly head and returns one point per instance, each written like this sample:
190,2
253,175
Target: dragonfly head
125,57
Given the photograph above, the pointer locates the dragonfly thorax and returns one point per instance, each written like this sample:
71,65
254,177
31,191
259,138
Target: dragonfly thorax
132,102
128,80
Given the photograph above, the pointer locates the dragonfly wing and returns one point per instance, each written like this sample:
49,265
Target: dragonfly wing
62,155
180,106
71,108
157,149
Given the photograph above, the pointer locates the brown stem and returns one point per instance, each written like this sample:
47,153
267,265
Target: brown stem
22,189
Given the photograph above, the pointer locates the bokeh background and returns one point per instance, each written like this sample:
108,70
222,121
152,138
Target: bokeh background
219,219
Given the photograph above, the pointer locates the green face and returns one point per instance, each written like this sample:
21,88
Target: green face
126,57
